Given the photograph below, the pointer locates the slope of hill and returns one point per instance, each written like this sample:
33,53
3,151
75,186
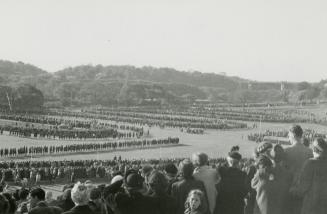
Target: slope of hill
129,85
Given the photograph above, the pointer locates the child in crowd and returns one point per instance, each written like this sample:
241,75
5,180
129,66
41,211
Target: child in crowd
196,203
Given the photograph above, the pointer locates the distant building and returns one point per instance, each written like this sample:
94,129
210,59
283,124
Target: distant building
282,86
249,86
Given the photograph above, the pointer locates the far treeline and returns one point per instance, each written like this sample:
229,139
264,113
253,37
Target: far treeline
26,86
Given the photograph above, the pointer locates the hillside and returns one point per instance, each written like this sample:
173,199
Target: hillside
129,85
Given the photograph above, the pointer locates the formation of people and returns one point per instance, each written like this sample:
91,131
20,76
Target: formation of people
86,147
278,180
308,135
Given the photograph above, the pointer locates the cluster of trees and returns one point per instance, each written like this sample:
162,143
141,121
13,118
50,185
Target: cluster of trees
22,97
128,85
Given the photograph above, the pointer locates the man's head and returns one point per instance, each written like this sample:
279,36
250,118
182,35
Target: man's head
37,195
200,159
158,182
133,180
295,133
186,168
171,170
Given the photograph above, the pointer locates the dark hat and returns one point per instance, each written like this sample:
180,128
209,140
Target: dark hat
146,169
171,168
95,194
133,181
234,153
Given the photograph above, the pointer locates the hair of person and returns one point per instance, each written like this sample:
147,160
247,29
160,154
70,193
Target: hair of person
296,130
264,161
39,193
278,152
158,182
203,208
170,168
320,146
200,158
186,168
79,194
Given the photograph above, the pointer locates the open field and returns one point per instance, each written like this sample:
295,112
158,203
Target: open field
216,143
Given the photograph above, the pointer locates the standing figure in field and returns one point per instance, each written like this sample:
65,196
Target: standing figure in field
209,176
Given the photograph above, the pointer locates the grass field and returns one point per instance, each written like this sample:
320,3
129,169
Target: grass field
216,143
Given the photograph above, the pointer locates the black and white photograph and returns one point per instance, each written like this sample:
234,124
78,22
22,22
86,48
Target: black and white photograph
163,107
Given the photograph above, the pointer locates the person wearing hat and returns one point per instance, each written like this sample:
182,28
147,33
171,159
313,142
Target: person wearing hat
295,156
313,181
170,171
231,187
132,201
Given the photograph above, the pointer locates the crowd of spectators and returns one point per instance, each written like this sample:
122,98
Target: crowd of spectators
279,180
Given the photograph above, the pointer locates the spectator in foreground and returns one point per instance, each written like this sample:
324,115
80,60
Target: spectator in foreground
23,202
208,176
231,188
181,189
170,171
79,195
133,201
96,202
313,183
158,185
12,203
38,204
4,205
196,203
65,202
295,156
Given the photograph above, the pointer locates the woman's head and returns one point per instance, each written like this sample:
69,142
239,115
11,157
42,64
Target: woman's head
263,148
263,162
158,182
79,194
196,201
277,153
319,148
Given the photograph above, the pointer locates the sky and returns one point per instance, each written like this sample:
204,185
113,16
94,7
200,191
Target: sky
264,40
